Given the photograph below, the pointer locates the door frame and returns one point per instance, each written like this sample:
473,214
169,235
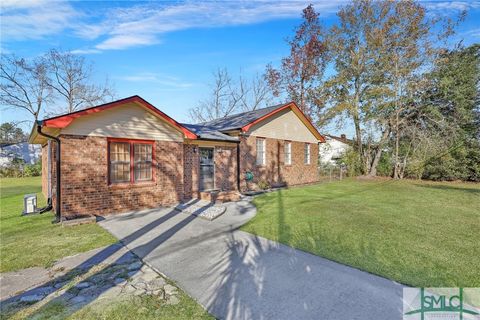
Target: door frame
214,169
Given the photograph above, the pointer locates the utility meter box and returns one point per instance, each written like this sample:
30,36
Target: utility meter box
29,203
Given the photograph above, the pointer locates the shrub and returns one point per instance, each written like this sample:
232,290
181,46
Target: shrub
20,169
385,166
353,162
263,185
32,170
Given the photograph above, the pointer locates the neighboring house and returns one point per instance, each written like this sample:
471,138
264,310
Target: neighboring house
128,155
29,153
334,148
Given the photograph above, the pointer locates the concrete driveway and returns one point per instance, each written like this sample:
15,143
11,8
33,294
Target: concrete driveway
236,275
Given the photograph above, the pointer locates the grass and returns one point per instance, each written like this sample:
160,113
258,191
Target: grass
135,307
144,307
422,234
121,307
33,241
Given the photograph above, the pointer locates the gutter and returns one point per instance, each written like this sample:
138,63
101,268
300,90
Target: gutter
218,140
58,171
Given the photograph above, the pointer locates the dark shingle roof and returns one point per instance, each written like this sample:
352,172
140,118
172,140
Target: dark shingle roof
238,120
213,130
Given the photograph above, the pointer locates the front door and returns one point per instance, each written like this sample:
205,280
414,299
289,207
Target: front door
207,169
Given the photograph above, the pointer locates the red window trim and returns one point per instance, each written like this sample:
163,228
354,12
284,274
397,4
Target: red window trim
131,143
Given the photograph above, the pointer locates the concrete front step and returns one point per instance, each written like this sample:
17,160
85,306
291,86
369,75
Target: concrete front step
219,196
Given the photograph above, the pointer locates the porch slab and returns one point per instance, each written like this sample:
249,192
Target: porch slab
202,209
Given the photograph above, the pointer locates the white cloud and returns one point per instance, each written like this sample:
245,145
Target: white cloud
475,33
157,78
451,5
137,24
123,41
85,51
115,28
35,19
20,4
143,24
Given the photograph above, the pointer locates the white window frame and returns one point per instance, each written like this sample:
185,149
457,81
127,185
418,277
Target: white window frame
307,153
288,152
261,156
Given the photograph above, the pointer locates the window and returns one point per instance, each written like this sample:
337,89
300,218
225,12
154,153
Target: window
307,153
130,161
261,156
288,152
143,162
119,162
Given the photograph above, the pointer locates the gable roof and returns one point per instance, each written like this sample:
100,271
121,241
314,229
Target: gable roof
211,130
64,120
245,120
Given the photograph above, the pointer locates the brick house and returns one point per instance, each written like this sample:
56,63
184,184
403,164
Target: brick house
128,155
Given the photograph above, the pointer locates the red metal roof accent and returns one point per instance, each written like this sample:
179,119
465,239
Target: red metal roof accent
292,105
64,120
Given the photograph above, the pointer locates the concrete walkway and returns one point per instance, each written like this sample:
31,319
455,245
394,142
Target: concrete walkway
236,275
15,282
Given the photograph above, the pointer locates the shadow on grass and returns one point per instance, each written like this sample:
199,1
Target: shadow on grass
64,296
451,188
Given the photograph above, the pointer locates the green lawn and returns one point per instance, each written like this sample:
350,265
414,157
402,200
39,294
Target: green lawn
33,240
134,307
139,307
417,233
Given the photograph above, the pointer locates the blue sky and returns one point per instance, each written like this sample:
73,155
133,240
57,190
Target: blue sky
165,51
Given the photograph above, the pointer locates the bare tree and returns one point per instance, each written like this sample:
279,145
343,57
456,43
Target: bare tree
23,85
70,79
258,94
229,96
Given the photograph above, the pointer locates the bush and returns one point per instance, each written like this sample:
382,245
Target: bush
353,162
18,170
32,170
385,165
263,185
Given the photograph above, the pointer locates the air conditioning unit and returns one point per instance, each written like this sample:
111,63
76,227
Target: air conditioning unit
29,203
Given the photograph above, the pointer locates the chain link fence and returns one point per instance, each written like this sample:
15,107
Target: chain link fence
332,173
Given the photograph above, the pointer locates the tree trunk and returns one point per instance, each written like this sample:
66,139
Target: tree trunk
376,160
378,154
396,169
358,135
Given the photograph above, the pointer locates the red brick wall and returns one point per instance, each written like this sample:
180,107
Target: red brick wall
275,172
226,168
85,188
225,159
191,169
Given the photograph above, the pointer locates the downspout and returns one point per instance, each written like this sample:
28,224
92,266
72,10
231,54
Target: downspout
58,171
